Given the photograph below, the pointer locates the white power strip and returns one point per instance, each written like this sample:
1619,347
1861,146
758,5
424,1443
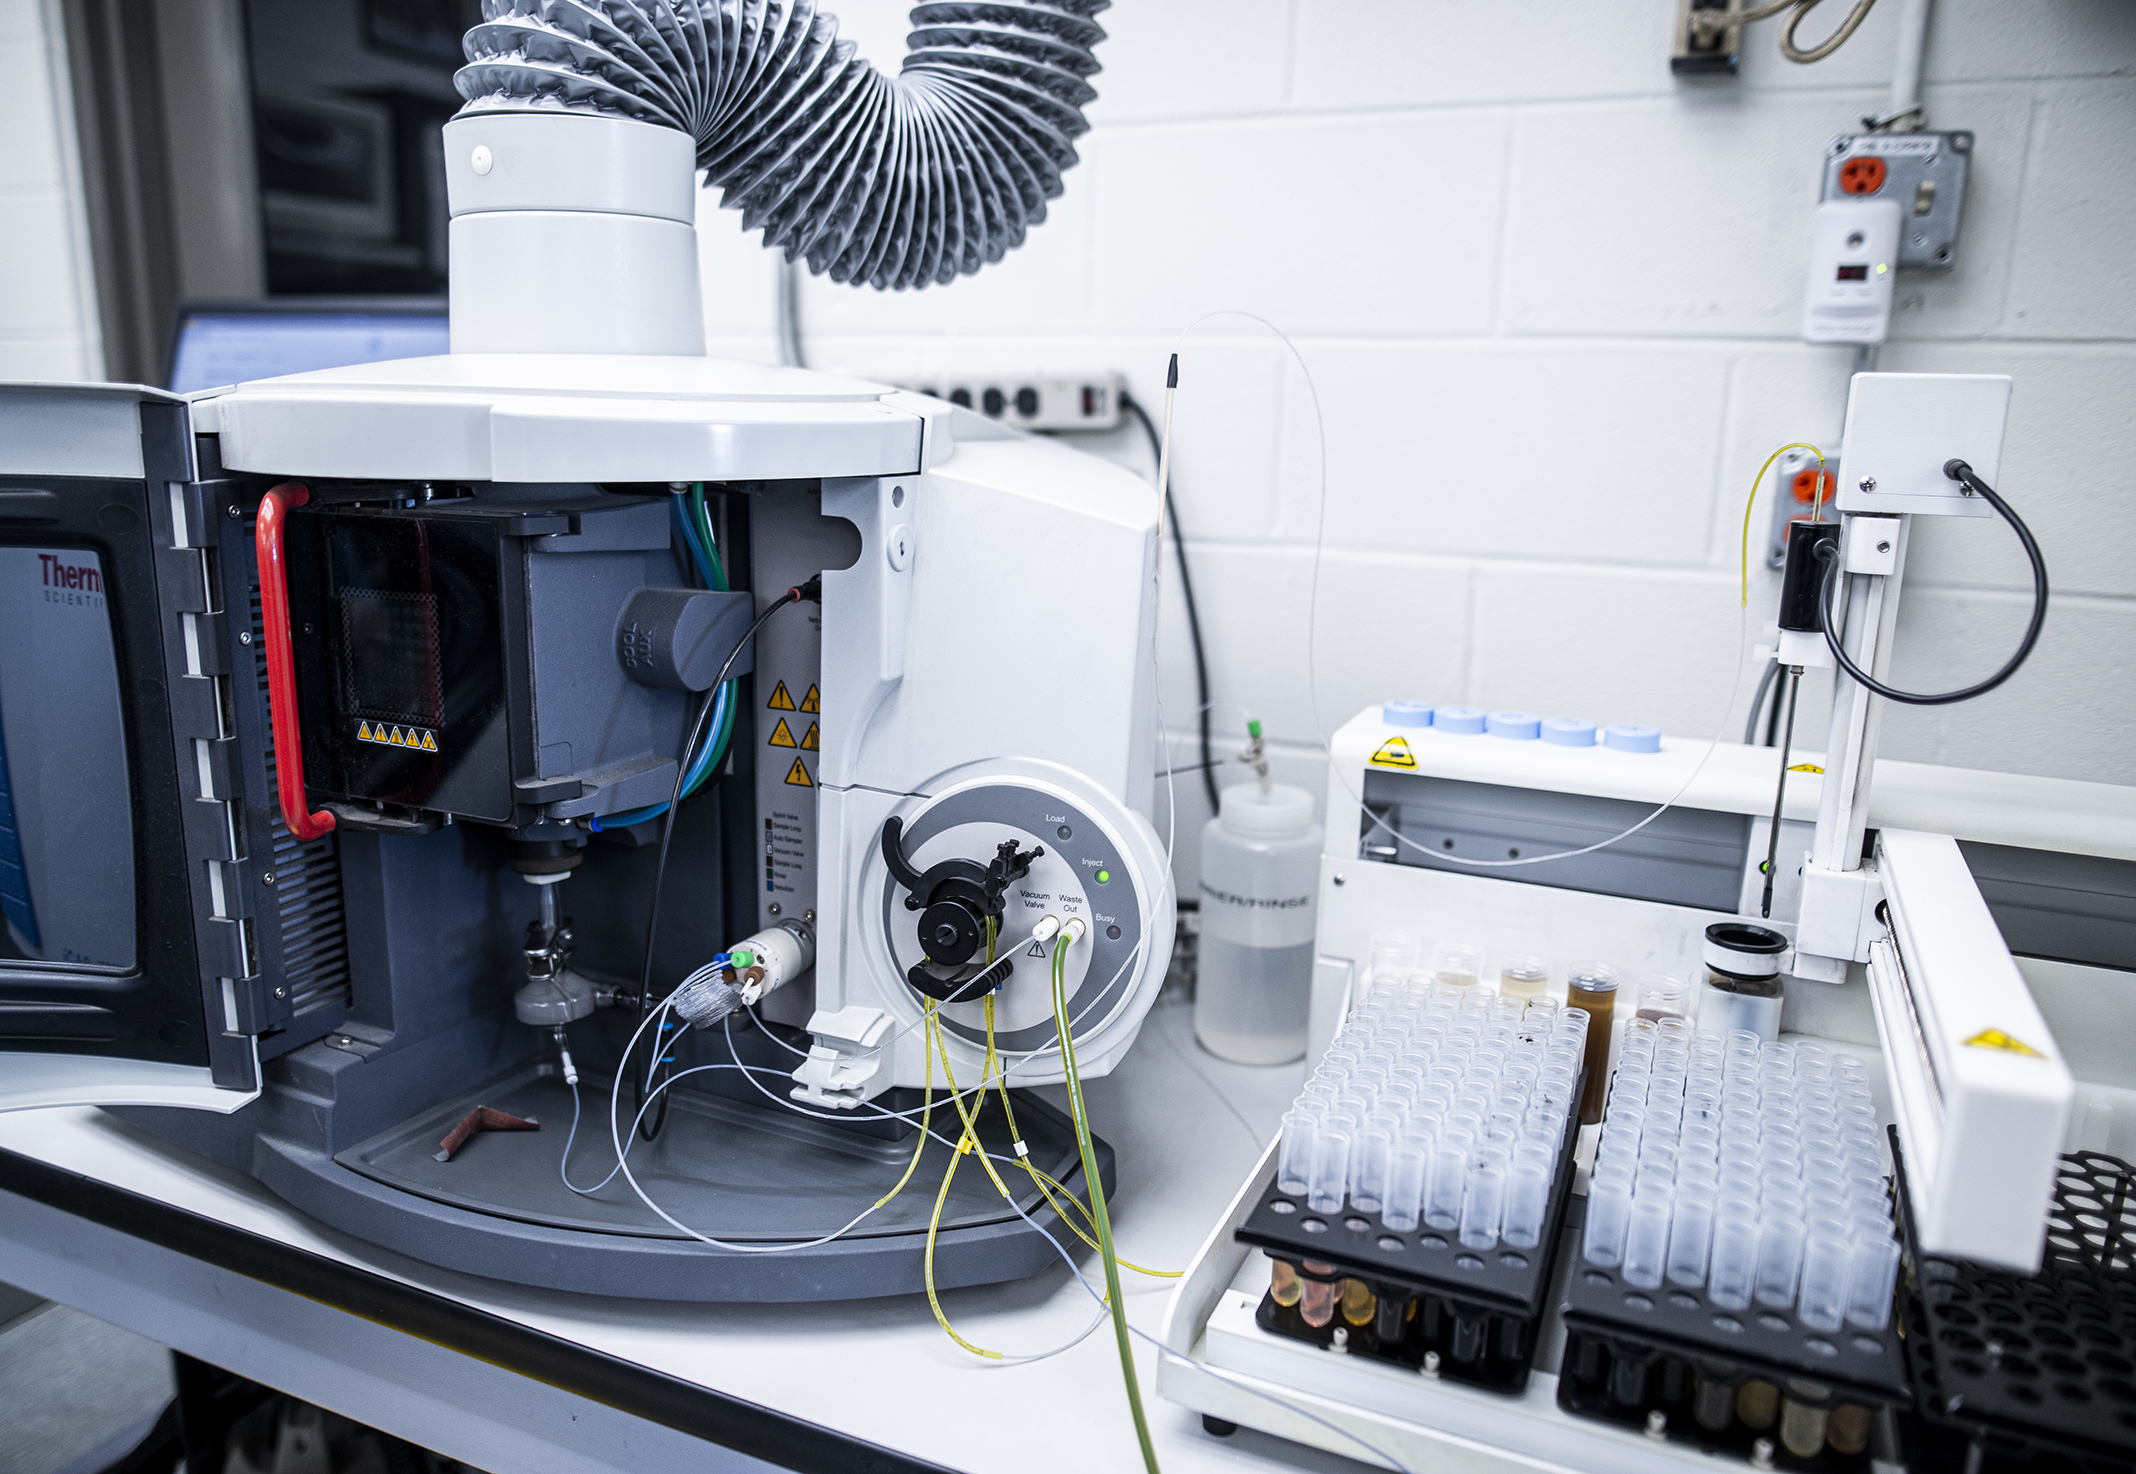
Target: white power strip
1031,401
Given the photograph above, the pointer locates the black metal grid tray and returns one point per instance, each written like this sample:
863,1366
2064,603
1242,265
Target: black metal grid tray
1474,1314
2041,1367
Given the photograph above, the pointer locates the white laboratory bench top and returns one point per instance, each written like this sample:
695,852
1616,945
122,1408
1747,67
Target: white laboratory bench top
1186,1127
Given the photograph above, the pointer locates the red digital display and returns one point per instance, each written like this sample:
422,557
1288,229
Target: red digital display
1859,272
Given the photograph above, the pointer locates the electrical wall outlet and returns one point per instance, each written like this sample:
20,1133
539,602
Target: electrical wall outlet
1796,498
1031,401
1923,173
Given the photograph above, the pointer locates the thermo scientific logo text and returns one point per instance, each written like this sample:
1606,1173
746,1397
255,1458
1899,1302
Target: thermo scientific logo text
1257,903
81,578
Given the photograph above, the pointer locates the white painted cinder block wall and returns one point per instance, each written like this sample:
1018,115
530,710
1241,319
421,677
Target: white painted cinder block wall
48,317
1549,296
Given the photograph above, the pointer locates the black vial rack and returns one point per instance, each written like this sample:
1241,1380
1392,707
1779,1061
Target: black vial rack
1670,1363
1419,1299
2035,1371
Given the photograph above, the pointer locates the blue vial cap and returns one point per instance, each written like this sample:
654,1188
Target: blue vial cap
1631,737
1462,721
1521,726
1406,713
1569,731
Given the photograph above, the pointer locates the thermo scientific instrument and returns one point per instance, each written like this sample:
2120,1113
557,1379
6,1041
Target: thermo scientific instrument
426,777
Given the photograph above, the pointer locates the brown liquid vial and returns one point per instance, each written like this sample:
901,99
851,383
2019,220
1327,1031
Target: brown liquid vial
1316,1301
1802,1428
1359,1304
1592,986
1848,1428
1757,1404
1284,1286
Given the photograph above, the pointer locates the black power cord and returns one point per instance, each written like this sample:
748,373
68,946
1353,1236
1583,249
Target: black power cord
1961,473
649,1126
1186,590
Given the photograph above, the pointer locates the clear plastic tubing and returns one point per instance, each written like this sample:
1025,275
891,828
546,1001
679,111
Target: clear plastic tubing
1294,1162
1780,1237
1330,1181
1646,1239
1527,1197
1872,1271
1733,1271
1449,1174
1483,1205
1825,1258
1690,1234
1405,1187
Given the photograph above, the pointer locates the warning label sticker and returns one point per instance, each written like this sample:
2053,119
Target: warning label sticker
811,702
2008,1043
1395,753
1805,768
386,736
1038,950
798,776
783,735
810,740
783,699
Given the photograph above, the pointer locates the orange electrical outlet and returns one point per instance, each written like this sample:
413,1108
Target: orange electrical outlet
1805,488
1863,174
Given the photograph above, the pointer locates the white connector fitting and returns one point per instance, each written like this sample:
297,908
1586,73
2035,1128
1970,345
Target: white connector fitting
769,960
1045,929
1076,928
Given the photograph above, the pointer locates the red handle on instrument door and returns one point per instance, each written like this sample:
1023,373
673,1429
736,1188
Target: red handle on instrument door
281,662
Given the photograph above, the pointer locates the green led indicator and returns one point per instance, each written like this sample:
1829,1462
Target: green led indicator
1103,876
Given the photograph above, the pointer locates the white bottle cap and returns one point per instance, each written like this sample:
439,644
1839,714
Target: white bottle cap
1281,813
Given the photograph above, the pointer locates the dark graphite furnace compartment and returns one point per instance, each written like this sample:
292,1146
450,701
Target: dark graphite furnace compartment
489,659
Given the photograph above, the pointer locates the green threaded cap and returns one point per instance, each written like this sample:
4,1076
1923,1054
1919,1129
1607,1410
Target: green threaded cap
1253,728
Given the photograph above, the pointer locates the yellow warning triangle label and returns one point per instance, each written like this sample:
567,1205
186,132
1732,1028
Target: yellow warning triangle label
811,702
430,742
1997,1039
781,699
1395,753
810,741
396,739
782,735
1805,768
798,776
363,731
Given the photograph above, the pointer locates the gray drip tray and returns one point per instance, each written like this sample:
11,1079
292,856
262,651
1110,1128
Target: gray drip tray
728,1169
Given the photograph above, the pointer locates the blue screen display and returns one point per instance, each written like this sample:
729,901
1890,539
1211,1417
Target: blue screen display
232,347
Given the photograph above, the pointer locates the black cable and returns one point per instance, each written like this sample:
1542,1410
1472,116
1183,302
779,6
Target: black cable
1186,590
813,589
1961,473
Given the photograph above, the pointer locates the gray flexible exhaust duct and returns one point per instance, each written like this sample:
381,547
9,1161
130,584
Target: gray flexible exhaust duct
875,181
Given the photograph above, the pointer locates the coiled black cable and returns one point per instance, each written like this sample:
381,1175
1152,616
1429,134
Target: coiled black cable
1961,473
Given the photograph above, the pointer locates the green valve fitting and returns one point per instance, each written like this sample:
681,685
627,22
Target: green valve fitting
1253,728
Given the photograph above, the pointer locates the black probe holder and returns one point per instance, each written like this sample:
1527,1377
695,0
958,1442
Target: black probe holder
1480,1310
2037,1370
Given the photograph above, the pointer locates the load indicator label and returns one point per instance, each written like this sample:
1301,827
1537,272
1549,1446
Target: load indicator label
1395,753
